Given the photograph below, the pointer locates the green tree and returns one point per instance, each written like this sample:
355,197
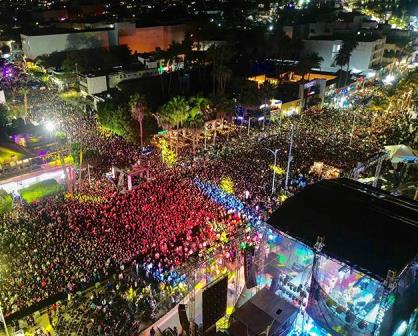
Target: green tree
118,120
341,59
82,41
220,56
223,108
4,113
6,202
349,44
195,120
306,63
175,113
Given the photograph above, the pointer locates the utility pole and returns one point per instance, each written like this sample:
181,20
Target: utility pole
352,130
290,158
275,152
249,125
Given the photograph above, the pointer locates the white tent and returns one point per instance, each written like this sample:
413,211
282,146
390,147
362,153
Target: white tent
401,153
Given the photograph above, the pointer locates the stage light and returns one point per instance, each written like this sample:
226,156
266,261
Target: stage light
50,126
389,79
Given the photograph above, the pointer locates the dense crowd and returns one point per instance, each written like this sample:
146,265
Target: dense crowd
65,244
124,305
80,126
62,245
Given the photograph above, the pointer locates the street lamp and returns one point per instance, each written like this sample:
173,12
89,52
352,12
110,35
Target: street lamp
263,119
50,126
290,158
249,124
274,152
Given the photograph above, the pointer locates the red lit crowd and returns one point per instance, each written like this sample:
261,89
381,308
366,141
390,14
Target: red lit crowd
62,245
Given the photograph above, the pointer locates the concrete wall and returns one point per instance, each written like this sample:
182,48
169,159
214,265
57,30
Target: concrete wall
362,58
93,85
147,39
34,46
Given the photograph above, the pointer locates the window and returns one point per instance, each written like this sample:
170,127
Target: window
336,48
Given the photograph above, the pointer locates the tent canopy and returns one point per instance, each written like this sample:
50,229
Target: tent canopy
401,153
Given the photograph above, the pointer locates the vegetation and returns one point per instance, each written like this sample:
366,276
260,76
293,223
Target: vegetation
6,202
40,190
4,111
180,112
88,59
343,58
118,120
139,109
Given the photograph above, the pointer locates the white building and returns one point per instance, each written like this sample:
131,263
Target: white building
45,42
91,84
94,83
365,57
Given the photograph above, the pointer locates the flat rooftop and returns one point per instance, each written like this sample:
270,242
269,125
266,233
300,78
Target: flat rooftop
362,37
363,226
56,31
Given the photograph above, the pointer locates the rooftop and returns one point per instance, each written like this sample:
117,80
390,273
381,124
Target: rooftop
56,31
363,226
361,37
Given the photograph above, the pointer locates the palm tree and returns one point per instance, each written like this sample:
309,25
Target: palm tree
139,109
175,113
307,62
348,46
195,121
305,65
341,59
224,109
202,104
163,57
24,91
220,57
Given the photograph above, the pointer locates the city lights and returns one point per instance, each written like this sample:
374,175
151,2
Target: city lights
176,167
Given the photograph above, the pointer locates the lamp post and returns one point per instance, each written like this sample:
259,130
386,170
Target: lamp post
249,124
290,158
352,129
274,152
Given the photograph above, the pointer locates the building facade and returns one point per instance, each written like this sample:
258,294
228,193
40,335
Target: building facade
148,39
367,55
47,42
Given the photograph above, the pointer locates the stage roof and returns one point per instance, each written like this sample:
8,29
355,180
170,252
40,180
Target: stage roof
364,226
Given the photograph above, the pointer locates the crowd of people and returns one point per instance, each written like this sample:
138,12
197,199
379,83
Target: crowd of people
62,244
124,305
80,126
65,244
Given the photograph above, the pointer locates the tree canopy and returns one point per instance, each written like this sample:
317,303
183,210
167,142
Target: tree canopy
118,119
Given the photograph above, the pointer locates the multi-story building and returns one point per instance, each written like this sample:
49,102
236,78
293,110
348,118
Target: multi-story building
46,41
365,57
148,38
